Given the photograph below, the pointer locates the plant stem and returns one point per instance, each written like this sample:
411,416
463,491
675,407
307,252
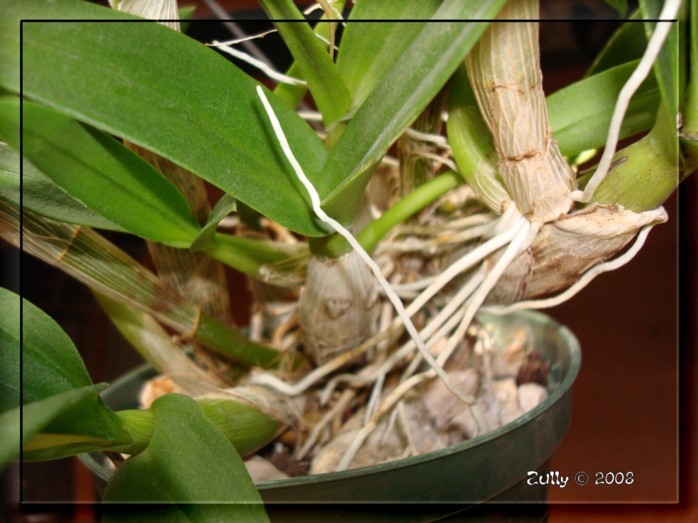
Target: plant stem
102,266
248,255
335,245
415,201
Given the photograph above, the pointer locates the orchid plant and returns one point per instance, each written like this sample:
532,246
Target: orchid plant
399,178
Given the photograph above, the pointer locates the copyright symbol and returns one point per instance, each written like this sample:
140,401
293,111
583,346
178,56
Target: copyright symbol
581,478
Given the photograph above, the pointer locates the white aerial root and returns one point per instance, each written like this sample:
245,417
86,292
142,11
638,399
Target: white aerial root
248,38
654,45
265,68
339,228
437,139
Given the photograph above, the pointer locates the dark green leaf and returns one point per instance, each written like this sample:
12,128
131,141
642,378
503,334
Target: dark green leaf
188,465
292,94
51,363
578,126
169,94
95,169
9,350
36,416
41,195
309,52
362,63
406,89
52,366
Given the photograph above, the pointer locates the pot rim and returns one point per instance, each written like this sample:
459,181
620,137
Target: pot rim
568,341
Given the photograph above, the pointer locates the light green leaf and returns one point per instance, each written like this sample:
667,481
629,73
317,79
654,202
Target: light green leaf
163,91
292,94
41,195
578,126
309,52
51,363
101,173
361,62
666,66
667,73
406,89
189,468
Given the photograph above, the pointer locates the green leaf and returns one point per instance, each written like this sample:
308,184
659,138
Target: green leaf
163,91
101,173
309,52
51,366
189,465
361,62
35,417
41,195
9,350
666,66
406,89
667,73
578,126
84,424
223,208
51,363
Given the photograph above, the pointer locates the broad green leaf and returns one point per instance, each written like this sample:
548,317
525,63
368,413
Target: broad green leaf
406,89
50,366
189,468
578,126
362,63
41,195
50,363
101,173
309,52
167,93
9,350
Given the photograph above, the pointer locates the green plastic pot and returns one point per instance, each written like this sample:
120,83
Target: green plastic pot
490,467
